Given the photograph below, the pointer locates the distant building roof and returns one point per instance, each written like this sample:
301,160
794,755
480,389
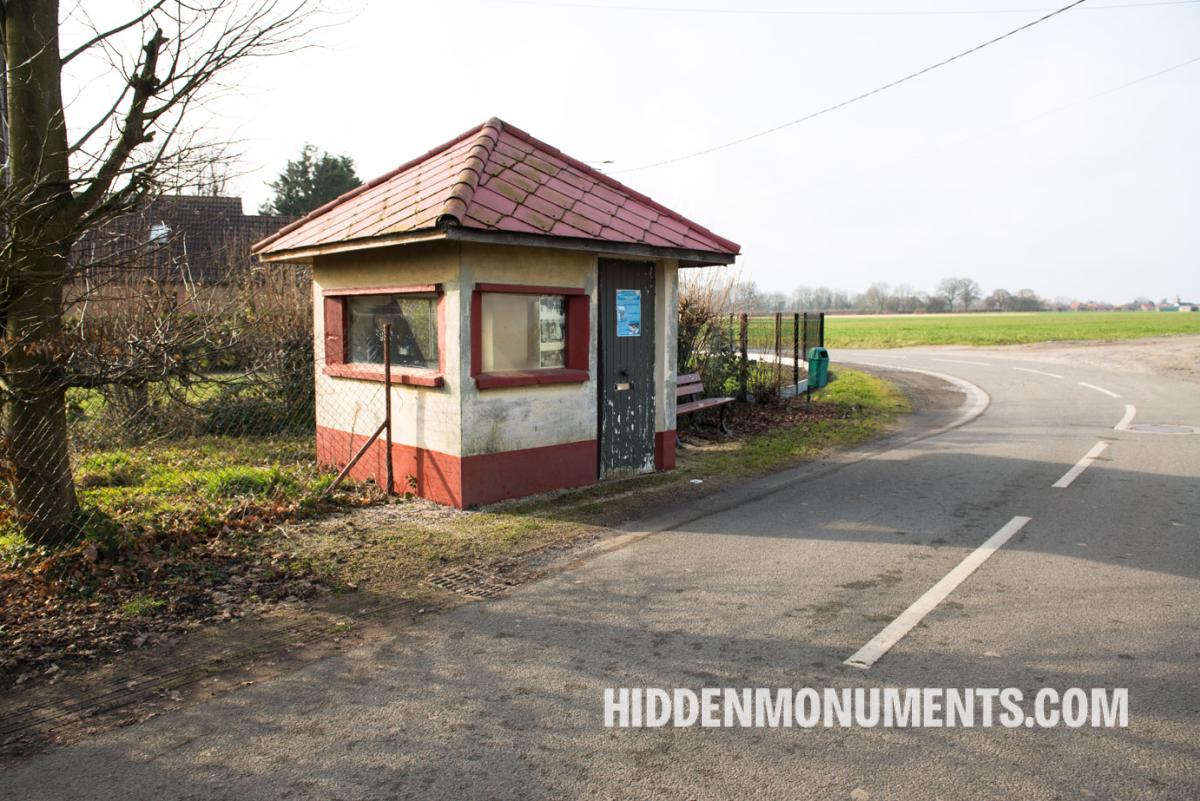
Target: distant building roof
498,183
200,234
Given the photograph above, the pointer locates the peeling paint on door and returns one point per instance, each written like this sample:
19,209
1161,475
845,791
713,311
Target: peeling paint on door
626,367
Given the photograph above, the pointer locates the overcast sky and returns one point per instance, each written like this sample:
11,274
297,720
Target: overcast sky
959,172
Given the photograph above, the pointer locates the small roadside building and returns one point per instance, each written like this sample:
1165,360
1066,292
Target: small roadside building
532,305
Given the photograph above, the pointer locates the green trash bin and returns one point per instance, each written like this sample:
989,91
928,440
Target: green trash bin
818,368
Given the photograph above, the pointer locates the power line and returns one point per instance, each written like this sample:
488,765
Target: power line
942,146
856,98
1085,99
836,13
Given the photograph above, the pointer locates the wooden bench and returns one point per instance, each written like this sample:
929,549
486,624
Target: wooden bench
690,386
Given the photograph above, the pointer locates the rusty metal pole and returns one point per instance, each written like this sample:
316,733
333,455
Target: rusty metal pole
387,404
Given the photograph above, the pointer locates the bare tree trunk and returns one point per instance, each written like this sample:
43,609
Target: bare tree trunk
34,273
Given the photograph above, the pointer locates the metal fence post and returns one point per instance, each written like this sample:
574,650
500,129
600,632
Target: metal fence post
795,350
387,403
744,362
804,341
778,349
821,331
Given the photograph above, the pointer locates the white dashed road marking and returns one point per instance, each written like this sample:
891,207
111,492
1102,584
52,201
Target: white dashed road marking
1130,411
1099,389
1081,465
963,361
1037,372
882,642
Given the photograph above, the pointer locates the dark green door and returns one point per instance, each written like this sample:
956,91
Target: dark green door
626,367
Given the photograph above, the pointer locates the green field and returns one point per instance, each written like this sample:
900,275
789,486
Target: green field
896,331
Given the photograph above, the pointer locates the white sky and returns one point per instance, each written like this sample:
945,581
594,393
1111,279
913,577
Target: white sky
946,175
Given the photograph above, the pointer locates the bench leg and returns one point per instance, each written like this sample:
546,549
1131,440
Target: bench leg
723,425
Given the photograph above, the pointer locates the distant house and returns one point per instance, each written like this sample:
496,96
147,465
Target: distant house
1178,306
175,239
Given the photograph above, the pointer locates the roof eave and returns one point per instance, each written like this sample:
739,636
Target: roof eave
686,256
456,233
305,255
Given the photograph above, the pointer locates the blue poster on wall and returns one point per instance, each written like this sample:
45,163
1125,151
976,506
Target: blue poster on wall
629,312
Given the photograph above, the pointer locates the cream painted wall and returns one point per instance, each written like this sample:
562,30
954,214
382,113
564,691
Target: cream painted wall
496,420
666,353
458,418
425,417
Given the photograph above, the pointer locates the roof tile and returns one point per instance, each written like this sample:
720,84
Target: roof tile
535,175
543,206
517,179
582,223
592,213
486,197
513,193
540,221
562,187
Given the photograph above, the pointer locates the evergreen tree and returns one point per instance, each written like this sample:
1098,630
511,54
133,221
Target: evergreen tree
310,182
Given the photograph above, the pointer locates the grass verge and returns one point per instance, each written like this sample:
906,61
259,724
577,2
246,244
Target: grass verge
853,408
1011,328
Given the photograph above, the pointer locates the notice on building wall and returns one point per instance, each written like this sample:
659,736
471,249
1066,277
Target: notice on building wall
629,312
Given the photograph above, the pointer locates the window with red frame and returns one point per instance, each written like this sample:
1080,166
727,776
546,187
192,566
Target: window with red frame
414,329
528,335
354,333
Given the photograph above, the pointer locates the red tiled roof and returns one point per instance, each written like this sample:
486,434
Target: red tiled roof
497,178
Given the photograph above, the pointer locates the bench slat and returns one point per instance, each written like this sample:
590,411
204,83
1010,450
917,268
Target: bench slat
706,403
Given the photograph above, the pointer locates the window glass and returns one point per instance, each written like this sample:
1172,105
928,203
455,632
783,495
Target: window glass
414,329
523,332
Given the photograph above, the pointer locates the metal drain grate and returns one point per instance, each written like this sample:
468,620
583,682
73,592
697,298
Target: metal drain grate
472,582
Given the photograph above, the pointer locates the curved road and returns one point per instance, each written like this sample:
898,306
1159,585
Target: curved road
777,585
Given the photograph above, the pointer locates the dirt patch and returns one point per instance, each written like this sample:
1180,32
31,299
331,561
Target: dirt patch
1177,356
752,419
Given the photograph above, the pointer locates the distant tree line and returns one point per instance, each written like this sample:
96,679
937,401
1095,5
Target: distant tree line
953,294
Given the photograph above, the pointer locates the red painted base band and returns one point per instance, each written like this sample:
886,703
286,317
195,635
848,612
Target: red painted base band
664,450
493,477
465,481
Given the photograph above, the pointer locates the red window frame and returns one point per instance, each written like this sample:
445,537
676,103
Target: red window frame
578,334
337,344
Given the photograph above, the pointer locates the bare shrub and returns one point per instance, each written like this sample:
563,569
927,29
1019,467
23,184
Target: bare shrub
706,344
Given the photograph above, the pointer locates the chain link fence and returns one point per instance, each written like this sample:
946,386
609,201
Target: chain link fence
170,408
773,351
177,410
750,357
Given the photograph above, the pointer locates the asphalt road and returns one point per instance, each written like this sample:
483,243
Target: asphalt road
776,587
